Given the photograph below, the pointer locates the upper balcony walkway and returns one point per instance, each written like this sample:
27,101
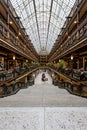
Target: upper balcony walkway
43,94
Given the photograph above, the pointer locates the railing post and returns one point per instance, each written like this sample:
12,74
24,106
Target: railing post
84,63
5,89
80,89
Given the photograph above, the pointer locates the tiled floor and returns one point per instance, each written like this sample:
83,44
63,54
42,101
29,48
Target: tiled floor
40,118
43,94
43,106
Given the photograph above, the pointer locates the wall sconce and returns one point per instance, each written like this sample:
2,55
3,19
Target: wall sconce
68,37
71,57
33,75
17,37
19,33
75,22
59,60
53,75
10,22
26,60
67,33
13,57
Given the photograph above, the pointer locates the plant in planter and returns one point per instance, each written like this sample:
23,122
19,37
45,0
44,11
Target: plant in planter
35,64
25,65
50,64
61,65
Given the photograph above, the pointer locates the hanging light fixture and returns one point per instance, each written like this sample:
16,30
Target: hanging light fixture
75,22
17,37
59,60
26,60
53,75
13,57
71,57
10,22
19,33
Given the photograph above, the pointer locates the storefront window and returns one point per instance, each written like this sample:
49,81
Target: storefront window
85,28
1,63
1,27
5,31
81,32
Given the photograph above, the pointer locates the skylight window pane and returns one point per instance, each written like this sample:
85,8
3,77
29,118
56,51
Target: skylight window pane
43,23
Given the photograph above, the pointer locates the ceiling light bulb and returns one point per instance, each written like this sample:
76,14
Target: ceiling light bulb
71,57
10,22
13,57
19,33
75,21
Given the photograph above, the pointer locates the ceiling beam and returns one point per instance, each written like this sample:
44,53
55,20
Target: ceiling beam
49,21
37,22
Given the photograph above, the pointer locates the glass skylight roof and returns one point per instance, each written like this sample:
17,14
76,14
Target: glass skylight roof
43,20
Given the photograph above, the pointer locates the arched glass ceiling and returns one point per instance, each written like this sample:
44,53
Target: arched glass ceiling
43,20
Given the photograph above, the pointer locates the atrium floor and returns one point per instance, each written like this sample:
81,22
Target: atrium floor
43,106
43,94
